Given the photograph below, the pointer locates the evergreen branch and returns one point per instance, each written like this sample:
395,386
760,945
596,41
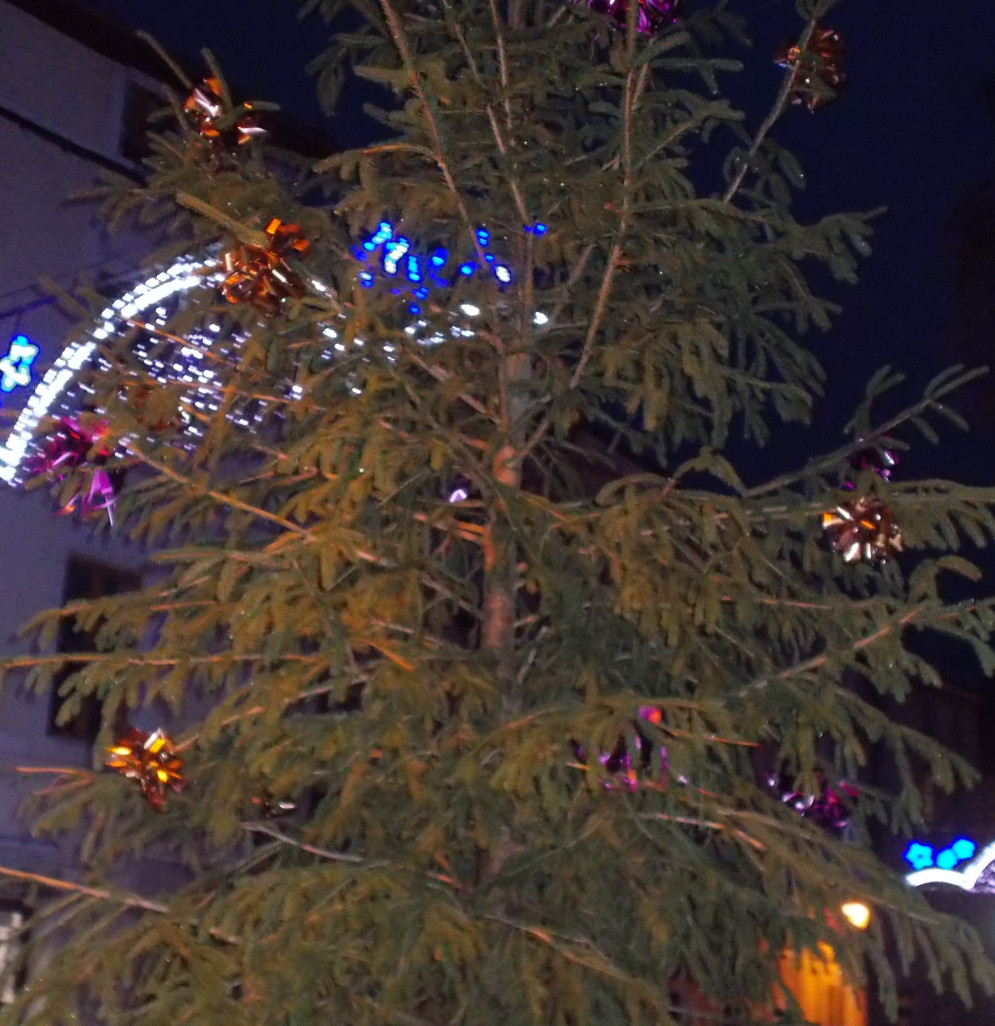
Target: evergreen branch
118,897
325,853
633,89
576,272
156,329
227,500
392,147
401,42
601,964
772,118
257,710
247,236
492,119
179,74
327,163
467,531
333,856
206,353
834,459
495,129
441,374
502,62
706,824
15,662
813,663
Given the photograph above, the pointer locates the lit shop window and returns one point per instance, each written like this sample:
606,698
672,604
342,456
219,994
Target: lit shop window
817,983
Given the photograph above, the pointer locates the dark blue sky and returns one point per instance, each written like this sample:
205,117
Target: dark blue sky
262,45
914,131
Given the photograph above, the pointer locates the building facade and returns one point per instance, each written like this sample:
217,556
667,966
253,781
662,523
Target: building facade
69,116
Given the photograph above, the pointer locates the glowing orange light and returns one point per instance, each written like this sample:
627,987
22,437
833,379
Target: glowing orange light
857,914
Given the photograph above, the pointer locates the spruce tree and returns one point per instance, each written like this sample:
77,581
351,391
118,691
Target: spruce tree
486,627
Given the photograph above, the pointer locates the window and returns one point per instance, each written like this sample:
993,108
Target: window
140,104
85,579
13,916
818,985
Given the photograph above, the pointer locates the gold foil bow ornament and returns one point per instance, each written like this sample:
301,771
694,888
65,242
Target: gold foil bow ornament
150,759
863,529
211,116
260,275
818,67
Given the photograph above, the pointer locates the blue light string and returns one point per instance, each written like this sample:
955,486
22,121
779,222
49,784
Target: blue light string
399,259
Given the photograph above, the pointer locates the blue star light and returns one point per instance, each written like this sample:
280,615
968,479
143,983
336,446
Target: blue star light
961,849
922,856
919,856
15,367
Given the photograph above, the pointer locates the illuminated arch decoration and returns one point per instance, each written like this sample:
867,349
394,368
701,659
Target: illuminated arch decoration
146,306
960,865
52,395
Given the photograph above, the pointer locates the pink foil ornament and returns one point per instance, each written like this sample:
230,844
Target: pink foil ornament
653,15
830,808
67,449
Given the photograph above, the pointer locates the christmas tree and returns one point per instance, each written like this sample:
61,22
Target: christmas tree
498,652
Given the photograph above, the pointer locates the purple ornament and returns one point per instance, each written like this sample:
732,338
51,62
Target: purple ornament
627,773
830,808
873,457
653,15
66,450
460,489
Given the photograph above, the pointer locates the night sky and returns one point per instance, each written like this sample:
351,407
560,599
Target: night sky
913,131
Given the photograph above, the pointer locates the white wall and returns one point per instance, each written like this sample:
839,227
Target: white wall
69,92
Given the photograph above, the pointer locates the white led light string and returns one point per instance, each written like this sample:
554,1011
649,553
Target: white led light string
187,364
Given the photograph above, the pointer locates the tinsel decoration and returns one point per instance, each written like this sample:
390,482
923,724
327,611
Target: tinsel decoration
830,809
272,808
459,490
651,17
260,275
630,761
818,68
75,447
223,129
863,529
881,461
150,759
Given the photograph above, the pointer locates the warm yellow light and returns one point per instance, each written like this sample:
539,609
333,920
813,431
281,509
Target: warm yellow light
857,914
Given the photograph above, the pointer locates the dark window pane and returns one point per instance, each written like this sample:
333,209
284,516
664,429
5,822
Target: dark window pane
139,105
85,579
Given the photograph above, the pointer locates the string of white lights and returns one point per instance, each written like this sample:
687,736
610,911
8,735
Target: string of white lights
397,258
182,275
